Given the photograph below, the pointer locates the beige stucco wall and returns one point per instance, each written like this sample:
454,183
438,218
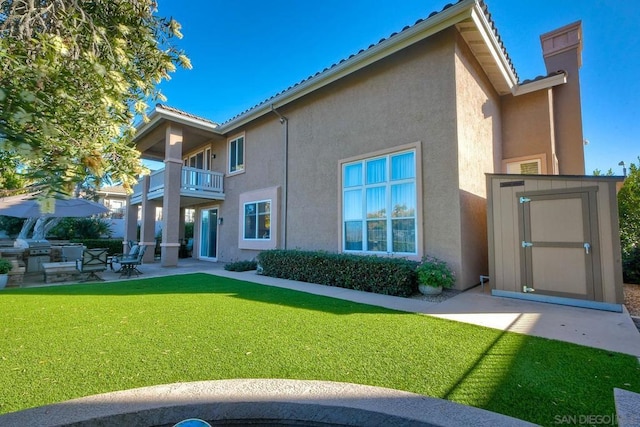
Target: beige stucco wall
528,128
264,165
479,152
568,113
404,99
432,96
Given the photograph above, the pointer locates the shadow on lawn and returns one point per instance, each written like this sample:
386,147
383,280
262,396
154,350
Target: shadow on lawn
202,283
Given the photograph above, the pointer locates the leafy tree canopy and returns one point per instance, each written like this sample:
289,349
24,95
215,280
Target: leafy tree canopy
629,211
73,75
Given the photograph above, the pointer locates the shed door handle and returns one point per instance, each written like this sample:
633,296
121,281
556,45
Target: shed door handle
587,247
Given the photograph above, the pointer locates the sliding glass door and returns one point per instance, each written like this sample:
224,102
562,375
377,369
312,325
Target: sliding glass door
209,234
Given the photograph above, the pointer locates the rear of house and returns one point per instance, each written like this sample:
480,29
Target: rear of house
384,153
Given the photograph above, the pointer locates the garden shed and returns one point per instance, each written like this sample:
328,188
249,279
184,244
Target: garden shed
555,238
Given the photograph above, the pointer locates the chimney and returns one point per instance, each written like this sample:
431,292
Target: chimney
562,51
566,40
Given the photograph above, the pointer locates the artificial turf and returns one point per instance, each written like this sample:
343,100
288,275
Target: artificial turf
63,342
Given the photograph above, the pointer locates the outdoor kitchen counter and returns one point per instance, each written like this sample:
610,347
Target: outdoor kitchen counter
59,271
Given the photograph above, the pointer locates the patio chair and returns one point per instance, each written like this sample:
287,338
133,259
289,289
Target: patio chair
129,266
133,254
92,262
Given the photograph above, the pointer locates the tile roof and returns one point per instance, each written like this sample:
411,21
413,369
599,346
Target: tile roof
432,14
483,7
538,78
184,113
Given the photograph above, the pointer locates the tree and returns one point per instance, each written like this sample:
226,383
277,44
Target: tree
629,214
73,76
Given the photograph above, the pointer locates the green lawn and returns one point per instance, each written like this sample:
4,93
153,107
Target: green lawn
63,342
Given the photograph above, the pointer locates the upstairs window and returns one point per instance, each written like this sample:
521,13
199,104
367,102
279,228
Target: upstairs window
236,154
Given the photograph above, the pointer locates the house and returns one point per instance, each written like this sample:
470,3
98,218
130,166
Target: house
383,153
115,198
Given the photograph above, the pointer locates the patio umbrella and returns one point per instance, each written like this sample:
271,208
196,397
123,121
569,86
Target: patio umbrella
26,206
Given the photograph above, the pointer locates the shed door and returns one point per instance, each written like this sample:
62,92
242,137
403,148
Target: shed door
559,243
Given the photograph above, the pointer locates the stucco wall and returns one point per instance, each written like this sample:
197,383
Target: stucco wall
527,127
433,95
479,152
568,114
403,99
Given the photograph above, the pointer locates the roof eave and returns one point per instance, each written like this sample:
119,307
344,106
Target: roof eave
544,83
495,48
444,19
159,114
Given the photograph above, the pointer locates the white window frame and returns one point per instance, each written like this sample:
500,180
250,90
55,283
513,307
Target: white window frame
192,158
387,184
540,159
239,167
272,194
257,214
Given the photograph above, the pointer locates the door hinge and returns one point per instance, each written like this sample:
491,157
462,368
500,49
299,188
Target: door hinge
524,199
527,289
526,244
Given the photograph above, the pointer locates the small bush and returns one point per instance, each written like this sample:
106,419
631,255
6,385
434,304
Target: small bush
434,272
388,276
5,266
631,266
241,266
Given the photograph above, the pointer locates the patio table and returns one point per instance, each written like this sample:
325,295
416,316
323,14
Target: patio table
127,268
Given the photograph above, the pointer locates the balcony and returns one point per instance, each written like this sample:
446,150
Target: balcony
195,184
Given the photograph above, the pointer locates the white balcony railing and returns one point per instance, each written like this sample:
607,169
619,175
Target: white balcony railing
193,183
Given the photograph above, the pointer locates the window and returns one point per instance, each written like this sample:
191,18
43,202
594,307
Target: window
529,165
236,154
379,204
257,220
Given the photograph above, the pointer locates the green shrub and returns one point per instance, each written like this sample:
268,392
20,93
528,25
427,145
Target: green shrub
188,230
11,225
389,276
114,246
5,266
434,272
83,228
631,266
241,266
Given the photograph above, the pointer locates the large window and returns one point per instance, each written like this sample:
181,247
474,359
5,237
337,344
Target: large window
379,204
236,154
257,220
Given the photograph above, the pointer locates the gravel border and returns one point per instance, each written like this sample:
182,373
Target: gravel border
445,295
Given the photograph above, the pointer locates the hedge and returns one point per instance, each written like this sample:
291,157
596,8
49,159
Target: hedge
114,246
241,266
388,276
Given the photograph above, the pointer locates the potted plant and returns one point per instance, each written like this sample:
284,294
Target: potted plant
5,268
433,275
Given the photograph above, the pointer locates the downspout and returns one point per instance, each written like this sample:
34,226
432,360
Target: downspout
285,187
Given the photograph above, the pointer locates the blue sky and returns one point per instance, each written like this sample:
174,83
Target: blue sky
243,52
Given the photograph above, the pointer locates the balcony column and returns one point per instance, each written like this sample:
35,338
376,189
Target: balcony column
130,225
148,225
171,201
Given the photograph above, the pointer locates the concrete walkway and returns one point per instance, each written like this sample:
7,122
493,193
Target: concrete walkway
589,327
